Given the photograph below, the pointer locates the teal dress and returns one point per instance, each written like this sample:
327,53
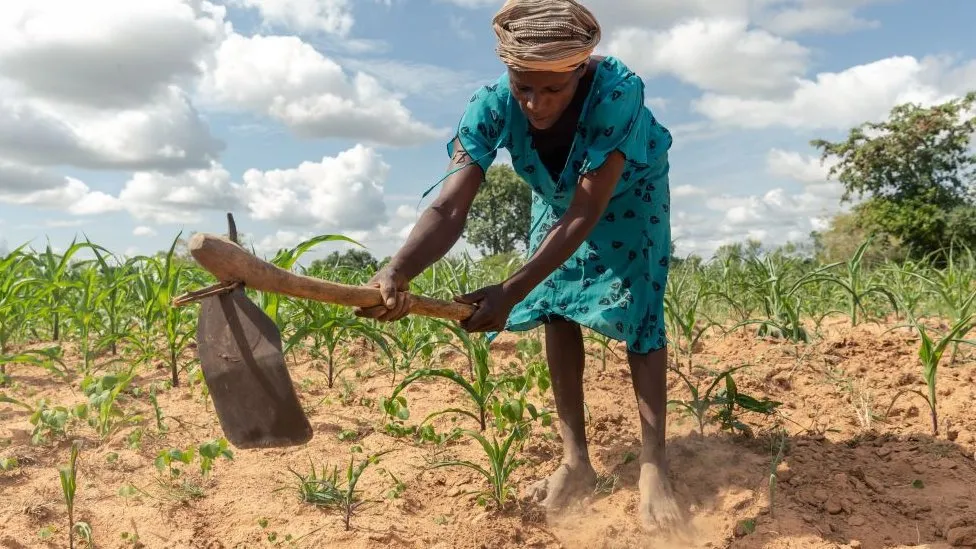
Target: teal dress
614,283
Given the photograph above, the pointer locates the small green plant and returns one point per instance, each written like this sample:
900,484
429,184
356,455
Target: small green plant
930,353
8,464
169,460
727,398
50,422
103,393
502,462
69,485
330,489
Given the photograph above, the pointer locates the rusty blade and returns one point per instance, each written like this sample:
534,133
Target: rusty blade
244,368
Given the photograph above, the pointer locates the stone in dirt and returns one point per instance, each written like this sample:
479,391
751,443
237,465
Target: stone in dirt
962,537
783,472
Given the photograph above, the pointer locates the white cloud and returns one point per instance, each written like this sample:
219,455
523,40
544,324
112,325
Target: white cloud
328,16
142,230
25,186
105,54
684,191
720,55
288,80
80,86
179,198
270,244
344,192
437,82
779,16
827,16
837,100
166,135
793,165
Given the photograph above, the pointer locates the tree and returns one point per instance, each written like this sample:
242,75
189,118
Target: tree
916,174
353,259
501,213
844,235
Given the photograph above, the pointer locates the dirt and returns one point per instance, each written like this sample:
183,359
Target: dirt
844,477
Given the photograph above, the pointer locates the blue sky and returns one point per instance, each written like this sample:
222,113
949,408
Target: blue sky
248,91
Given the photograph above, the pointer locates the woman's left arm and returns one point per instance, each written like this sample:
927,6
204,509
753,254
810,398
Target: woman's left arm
592,196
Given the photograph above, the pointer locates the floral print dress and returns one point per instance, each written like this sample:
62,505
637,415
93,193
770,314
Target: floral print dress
614,283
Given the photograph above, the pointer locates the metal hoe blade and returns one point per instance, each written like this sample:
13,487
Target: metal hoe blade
244,368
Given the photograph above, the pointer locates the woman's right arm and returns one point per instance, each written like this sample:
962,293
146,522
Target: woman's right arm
436,232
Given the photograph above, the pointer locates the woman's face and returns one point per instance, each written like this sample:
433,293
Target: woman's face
543,96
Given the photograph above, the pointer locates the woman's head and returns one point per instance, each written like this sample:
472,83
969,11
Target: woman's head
546,45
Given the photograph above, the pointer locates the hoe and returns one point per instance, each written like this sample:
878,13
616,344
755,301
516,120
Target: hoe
239,346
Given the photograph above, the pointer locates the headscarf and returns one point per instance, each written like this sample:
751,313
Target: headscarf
545,35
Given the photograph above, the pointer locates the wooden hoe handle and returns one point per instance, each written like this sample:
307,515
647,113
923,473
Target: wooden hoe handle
229,262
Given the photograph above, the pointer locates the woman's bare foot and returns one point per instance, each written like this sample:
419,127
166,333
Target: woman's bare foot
658,508
564,485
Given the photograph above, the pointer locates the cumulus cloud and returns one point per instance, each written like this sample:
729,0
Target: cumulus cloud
341,192
167,135
96,54
779,16
288,80
179,198
839,100
703,221
826,16
719,55
26,186
80,87
328,16
796,166
142,230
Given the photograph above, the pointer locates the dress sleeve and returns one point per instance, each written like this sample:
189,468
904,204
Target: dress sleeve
620,121
481,128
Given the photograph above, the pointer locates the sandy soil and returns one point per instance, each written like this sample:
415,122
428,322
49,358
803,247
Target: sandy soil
846,478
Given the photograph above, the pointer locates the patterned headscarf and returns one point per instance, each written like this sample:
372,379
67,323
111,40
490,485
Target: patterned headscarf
545,35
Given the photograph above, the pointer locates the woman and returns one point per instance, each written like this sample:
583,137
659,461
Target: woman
596,159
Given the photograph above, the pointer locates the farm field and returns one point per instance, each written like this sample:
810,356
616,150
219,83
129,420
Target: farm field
813,406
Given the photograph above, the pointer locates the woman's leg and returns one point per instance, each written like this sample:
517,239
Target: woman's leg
575,475
649,374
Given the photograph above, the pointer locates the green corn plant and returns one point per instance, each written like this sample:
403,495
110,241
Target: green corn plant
17,297
901,279
855,282
286,259
48,359
502,463
178,322
684,309
954,288
481,389
54,271
780,297
86,313
411,338
930,353
69,486
604,345
116,303
328,326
